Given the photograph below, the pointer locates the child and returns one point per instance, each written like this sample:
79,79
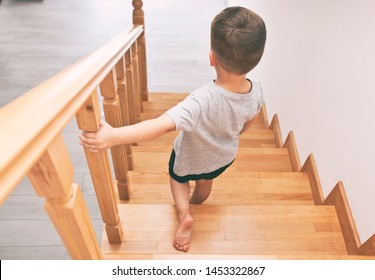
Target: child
210,119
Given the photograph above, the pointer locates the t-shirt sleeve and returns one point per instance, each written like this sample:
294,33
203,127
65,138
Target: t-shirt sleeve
186,114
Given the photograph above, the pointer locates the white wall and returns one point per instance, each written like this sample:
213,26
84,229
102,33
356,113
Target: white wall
318,73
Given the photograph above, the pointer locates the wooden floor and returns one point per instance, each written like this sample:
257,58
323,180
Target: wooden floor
40,38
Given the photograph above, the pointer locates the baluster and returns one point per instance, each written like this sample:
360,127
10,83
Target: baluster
143,67
88,118
130,86
122,91
112,112
124,106
136,85
139,18
52,178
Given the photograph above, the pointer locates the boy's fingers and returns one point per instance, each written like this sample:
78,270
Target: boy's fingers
87,141
88,134
82,139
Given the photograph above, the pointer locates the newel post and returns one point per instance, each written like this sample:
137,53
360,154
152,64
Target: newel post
139,18
52,178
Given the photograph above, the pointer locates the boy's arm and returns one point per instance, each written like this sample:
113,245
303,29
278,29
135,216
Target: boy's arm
108,136
248,124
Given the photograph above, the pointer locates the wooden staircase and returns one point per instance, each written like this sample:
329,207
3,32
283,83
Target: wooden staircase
265,206
259,208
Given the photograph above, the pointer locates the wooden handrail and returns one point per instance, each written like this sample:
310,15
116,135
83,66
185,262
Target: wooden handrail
31,140
32,143
31,122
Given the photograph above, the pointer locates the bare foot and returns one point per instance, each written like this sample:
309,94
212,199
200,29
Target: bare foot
183,234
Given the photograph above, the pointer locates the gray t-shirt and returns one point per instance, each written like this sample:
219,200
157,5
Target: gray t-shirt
210,120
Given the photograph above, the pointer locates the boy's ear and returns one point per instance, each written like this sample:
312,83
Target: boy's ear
212,58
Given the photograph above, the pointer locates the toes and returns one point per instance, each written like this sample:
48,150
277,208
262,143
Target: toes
185,248
176,246
181,247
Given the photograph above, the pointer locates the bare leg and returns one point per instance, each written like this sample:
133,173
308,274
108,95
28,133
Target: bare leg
181,194
201,192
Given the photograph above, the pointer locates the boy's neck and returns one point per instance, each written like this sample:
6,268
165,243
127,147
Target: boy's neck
233,82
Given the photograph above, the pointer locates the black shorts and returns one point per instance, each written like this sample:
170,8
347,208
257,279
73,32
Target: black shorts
194,177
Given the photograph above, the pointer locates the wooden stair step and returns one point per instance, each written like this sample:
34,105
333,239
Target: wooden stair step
155,159
256,138
234,257
262,159
255,190
261,138
264,257
161,97
156,106
230,230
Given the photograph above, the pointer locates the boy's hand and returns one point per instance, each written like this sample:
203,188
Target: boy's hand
98,141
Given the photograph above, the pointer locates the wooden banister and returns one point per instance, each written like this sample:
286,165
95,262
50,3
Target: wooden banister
31,143
31,122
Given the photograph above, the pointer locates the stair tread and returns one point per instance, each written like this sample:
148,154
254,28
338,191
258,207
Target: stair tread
256,190
234,257
166,96
155,159
232,230
257,138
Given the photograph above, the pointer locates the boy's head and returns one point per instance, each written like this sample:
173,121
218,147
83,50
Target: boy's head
238,36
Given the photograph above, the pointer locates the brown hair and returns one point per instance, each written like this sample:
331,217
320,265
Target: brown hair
238,37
